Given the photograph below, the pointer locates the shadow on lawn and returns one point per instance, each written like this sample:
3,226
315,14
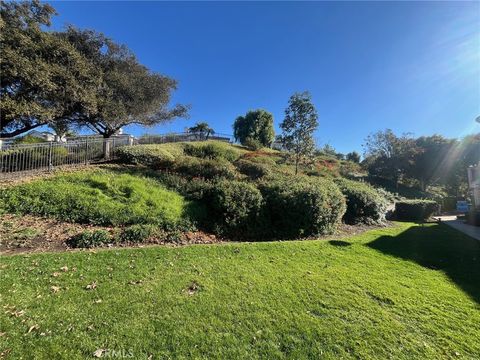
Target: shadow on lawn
438,247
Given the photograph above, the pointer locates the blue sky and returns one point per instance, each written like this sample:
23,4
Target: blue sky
409,66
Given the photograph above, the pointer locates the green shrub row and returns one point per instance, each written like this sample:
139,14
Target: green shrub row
303,207
207,161
364,203
277,209
153,156
415,210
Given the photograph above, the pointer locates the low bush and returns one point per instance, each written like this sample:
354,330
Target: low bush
301,207
89,239
251,169
234,208
210,150
253,144
415,210
193,189
204,168
364,203
153,156
98,197
138,233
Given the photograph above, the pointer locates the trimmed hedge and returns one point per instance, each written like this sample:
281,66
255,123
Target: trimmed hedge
301,207
364,203
234,208
251,169
415,210
153,156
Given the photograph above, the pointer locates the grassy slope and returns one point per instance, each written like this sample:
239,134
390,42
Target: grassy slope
97,196
404,292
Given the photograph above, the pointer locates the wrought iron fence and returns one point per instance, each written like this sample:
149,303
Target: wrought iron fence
19,159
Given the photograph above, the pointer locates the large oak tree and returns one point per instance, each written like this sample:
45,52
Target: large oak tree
44,79
129,93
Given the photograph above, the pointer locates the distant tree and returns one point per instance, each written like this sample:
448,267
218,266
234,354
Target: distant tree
301,120
255,126
389,156
353,156
329,150
201,130
432,163
130,92
44,79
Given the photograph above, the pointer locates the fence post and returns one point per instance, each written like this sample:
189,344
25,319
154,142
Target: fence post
86,150
113,148
106,148
50,165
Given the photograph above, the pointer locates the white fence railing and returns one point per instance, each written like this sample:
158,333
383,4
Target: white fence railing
19,159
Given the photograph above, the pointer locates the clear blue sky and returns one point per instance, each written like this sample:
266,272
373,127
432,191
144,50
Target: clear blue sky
409,66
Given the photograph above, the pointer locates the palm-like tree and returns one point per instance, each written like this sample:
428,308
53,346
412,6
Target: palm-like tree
201,130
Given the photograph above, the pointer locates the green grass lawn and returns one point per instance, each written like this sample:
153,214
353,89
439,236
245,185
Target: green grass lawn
402,292
99,197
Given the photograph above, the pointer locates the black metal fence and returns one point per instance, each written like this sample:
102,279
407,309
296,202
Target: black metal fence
19,159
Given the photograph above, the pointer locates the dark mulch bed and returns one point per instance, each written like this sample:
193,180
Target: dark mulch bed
30,234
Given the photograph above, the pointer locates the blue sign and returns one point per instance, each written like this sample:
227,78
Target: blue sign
462,206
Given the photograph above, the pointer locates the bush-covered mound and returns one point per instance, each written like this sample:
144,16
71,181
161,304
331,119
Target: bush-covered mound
153,156
415,210
212,150
234,208
364,203
204,168
253,170
99,197
208,160
301,207
89,239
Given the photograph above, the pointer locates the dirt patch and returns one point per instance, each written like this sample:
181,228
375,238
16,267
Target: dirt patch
31,234
26,233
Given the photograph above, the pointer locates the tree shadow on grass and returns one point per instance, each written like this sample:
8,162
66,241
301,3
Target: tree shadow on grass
438,247
339,243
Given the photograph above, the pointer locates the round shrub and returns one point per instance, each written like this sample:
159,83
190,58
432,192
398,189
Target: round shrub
415,210
364,203
234,208
299,207
153,156
193,189
205,168
89,239
138,233
253,144
251,169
